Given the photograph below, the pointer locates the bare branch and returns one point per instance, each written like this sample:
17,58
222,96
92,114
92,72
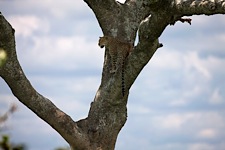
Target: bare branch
13,75
106,11
100,3
5,116
101,6
198,7
174,19
147,45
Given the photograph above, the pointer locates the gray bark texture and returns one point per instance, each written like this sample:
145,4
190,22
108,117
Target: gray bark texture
108,112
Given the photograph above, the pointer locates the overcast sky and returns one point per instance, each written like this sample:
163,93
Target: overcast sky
177,102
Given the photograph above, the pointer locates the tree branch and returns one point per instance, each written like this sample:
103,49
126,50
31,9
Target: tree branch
198,7
149,31
104,4
162,13
14,76
105,11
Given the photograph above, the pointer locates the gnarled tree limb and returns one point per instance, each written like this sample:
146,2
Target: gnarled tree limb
14,76
198,7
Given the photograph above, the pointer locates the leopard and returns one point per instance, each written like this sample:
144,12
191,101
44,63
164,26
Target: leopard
118,51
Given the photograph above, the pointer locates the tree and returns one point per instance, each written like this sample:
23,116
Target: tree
108,111
5,143
5,116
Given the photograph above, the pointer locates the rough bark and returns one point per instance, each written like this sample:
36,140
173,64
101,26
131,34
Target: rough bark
108,112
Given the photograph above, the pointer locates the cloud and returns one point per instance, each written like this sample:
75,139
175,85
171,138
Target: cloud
194,125
189,62
36,40
193,62
139,109
216,97
62,9
26,25
173,121
54,8
76,8
62,53
167,59
206,21
207,133
202,146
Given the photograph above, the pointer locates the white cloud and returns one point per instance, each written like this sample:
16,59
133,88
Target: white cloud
185,74
139,109
56,8
173,121
26,25
201,146
216,97
64,8
188,62
197,121
205,21
179,102
192,61
214,64
207,133
167,59
67,53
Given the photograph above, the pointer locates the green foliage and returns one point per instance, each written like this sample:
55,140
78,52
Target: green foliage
5,144
3,57
63,148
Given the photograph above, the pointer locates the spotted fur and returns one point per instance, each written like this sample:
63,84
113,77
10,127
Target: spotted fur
118,52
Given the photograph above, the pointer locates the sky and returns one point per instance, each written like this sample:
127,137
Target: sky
177,102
